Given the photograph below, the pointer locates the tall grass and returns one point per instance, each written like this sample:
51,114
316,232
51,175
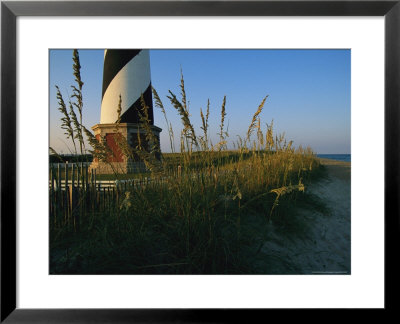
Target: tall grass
206,212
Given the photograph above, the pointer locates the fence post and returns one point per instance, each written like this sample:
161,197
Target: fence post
85,186
73,200
87,177
108,197
66,207
52,178
95,188
59,192
77,176
92,193
66,174
52,193
91,179
59,178
73,175
104,198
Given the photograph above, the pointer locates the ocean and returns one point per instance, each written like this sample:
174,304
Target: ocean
338,157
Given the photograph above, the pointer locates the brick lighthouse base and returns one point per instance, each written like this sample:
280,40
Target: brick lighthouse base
118,162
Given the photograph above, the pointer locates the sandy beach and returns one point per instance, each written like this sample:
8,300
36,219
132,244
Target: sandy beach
321,244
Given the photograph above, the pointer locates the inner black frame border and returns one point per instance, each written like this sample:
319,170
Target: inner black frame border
10,10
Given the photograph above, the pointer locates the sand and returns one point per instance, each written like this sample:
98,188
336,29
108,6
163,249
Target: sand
321,242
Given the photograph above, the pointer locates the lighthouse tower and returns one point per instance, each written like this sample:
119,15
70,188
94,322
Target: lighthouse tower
126,74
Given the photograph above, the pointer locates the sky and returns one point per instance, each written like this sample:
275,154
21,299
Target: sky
308,92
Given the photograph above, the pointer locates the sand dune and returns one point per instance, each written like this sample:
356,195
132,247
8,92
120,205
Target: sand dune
322,243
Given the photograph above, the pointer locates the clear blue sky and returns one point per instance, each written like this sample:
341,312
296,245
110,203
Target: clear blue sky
309,92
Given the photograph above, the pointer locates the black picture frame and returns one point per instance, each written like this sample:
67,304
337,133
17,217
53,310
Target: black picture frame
10,10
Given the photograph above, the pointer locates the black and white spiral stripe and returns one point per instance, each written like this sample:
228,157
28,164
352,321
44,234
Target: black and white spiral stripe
126,73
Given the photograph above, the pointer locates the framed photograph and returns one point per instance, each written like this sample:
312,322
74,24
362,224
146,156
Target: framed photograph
163,159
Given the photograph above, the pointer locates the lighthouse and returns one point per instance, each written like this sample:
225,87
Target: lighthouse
126,75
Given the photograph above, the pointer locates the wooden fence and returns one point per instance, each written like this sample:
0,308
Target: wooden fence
74,190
